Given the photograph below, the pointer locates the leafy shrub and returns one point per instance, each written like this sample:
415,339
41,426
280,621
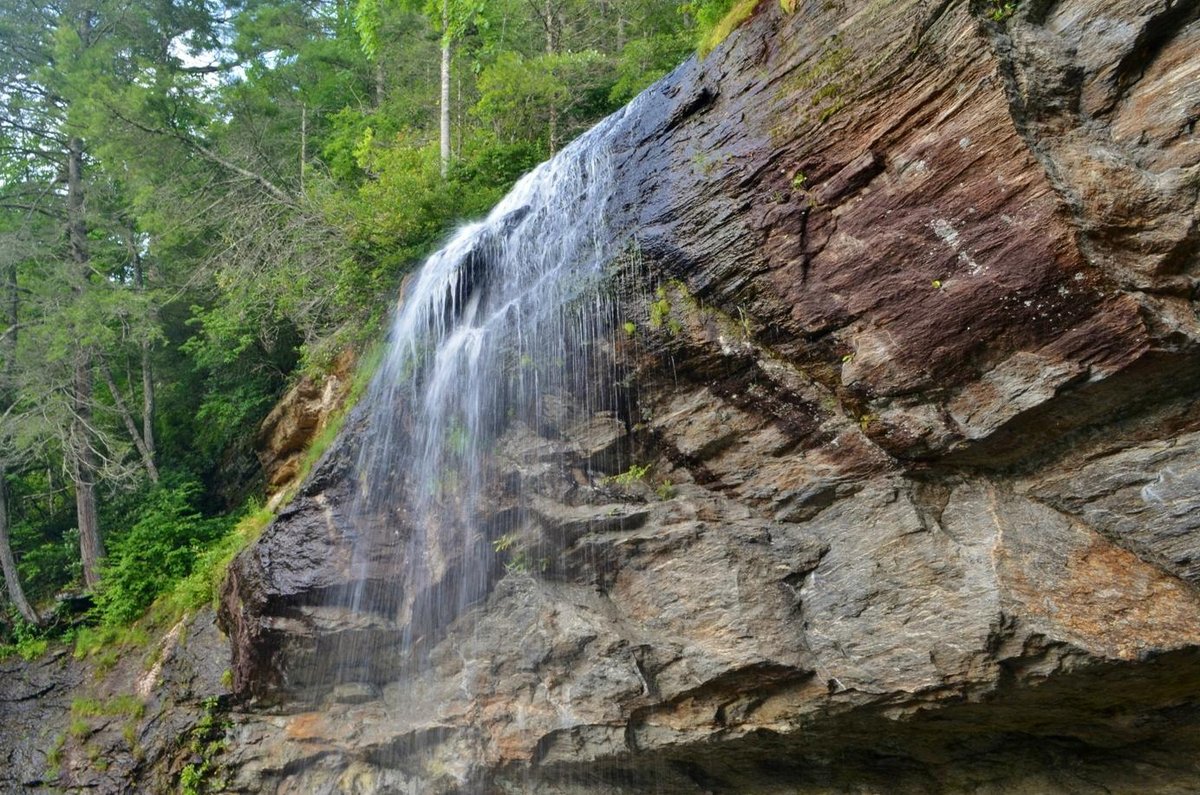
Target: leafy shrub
27,642
203,584
156,552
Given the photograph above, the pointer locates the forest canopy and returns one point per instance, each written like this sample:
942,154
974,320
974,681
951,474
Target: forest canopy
200,200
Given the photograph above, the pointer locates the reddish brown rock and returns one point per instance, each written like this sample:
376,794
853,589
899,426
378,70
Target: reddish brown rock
297,419
922,422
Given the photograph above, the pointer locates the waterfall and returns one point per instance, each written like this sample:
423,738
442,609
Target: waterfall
504,334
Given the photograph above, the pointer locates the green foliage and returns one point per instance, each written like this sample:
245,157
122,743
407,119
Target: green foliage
192,778
1000,11
400,212
660,313
32,649
129,734
645,60
404,208
716,19
635,474
28,642
203,585
517,558
660,310
367,21
122,706
44,533
156,552
493,166
519,94
54,756
206,743
106,644
240,373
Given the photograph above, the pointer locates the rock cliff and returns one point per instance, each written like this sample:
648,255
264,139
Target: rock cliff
296,420
127,718
906,497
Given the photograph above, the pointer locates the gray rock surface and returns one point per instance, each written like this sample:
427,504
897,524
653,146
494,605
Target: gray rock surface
117,721
923,443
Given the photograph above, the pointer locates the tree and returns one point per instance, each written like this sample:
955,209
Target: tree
8,563
37,127
53,59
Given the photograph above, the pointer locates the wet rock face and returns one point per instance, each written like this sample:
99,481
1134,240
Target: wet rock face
35,700
122,720
913,373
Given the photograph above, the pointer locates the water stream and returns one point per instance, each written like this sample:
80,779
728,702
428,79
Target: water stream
505,333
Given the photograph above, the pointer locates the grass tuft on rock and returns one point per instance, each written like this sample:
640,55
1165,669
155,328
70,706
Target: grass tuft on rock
713,29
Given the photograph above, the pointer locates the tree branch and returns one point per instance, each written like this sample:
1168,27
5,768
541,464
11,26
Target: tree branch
171,132
127,418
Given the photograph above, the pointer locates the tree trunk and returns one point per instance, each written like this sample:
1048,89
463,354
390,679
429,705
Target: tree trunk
83,464
147,365
444,109
127,418
83,472
148,402
550,50
91,547
459,123
14,308
9,564
303,143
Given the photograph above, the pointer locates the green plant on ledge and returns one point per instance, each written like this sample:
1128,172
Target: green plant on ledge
518,560
29,643
54,756
660,312
999,10
716,19
207,743
635,474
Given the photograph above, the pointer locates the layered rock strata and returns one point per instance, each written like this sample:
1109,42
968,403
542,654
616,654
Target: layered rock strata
911,458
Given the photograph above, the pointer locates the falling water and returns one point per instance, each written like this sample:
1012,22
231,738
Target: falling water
506,330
